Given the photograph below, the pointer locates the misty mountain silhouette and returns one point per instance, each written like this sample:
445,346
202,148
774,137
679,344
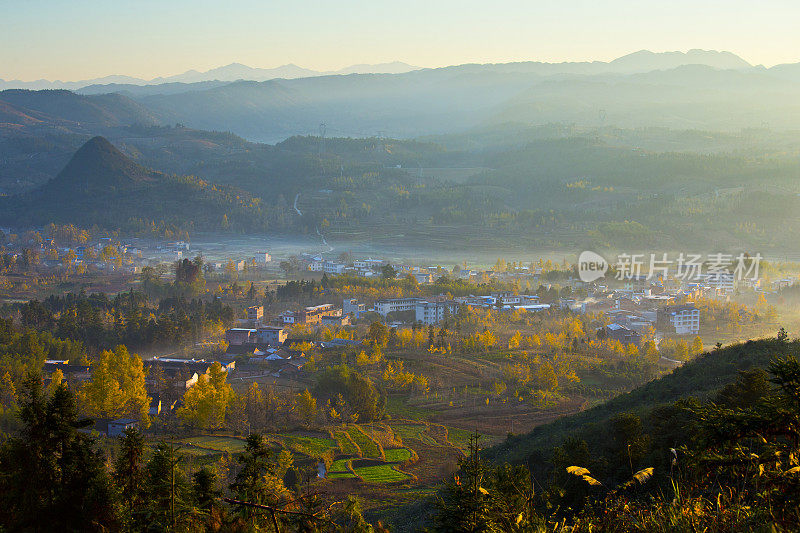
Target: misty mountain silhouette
102,186
99,167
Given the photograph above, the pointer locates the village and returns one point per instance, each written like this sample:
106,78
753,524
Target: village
509,311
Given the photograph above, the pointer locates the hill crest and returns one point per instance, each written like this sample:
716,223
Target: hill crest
96,167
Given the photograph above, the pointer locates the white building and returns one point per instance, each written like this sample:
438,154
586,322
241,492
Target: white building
331,267
262,258
506,298
423,277
682,319
434,312
723,282
392,305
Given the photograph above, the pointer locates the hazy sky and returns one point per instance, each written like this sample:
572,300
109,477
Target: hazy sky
79,39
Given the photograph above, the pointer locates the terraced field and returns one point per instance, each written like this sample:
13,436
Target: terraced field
339,470
414,431
369,448
345,443
382,434
397,455
380,474
311,446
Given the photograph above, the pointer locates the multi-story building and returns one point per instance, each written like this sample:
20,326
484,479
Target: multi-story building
423,277
336,320
393,305
507,298
723,282
331,267
239,335
434,312
255,312
680,319
272,335
352,307
262,258
309,315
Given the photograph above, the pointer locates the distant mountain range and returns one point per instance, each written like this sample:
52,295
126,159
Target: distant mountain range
227,73
641,61
697,89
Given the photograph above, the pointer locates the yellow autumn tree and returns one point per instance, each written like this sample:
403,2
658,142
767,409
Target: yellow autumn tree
514,341
697,345
116,389
305,407
205,405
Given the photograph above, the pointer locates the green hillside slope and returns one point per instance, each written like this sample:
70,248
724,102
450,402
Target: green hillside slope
699,379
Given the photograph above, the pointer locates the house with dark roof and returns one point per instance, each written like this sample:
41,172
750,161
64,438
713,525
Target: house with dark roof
620,333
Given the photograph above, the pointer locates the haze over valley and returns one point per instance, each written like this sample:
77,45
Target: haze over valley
519,267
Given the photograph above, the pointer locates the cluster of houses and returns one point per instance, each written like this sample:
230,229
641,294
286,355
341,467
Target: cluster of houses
178,376
55,256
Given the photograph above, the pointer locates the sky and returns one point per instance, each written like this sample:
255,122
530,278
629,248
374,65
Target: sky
84,39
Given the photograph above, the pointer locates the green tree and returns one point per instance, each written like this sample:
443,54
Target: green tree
167,492
204,489
257,481
388,272
360,395
53,477
379,333
8,391
129,473
465,503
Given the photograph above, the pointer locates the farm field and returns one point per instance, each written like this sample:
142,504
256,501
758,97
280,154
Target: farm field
397,455
214,443
380,474
369,448
314,447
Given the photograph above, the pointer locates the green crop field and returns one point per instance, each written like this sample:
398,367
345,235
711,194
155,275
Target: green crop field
414,431
339,470
191,450
340,475
397,455
218,443
310,446
460,437
339,465
380,474
368,447
346,446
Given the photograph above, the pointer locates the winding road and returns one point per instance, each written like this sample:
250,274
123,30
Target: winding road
321,236
296,196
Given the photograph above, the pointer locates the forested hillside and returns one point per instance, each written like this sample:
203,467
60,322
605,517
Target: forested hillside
713,447
101,187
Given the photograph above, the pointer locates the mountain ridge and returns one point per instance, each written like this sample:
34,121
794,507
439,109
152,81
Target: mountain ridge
633,62
102,186
98,166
